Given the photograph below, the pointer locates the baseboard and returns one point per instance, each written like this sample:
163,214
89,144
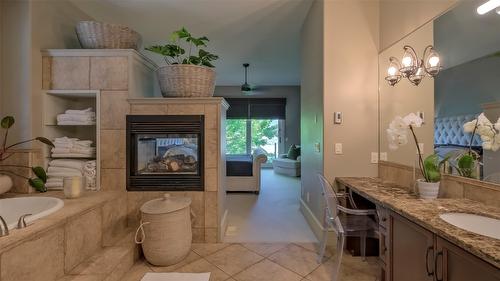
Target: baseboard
223,226
315,224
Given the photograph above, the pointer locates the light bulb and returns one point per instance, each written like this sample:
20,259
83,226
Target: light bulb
433,61
407,61
392,70
488,6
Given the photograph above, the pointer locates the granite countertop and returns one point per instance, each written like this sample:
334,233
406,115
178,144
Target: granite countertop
426,214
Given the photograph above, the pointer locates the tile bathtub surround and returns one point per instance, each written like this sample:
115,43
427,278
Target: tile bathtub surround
426,214
63,239
451,186
206,205
23,157
244,262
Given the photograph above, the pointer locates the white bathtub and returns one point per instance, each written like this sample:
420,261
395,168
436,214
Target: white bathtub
12,208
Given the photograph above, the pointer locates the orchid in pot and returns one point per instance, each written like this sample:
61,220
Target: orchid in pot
466,163
397,134
6,170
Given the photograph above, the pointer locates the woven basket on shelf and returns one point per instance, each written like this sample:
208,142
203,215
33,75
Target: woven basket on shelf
186,80
99,35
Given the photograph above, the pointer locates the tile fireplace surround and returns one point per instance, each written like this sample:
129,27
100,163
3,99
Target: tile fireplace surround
126,82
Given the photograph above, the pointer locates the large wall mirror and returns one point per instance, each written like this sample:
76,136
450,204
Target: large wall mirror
465,91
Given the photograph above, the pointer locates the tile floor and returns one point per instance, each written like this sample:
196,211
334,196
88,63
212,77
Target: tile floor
261,262
272,216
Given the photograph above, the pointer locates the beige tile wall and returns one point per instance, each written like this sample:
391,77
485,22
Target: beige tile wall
204,204
451,186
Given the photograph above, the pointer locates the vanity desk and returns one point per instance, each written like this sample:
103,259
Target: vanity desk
416,244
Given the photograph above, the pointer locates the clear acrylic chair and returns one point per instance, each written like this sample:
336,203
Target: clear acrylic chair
344,222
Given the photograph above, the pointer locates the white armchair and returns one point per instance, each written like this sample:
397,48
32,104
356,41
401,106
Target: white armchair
249,183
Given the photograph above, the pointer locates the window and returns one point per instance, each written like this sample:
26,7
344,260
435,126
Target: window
245,135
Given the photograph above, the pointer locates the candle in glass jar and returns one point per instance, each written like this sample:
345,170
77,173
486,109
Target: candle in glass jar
73,186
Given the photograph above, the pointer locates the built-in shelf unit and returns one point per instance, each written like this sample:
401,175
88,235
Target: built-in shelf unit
56,102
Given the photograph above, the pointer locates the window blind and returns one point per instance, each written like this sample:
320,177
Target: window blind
256,108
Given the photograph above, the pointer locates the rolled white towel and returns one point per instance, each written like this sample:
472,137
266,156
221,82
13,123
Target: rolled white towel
74,150
90,173
67,163
72,123
54,185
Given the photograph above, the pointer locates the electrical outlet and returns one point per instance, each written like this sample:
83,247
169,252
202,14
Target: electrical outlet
338,148
383,156
337,117
374,158
317,147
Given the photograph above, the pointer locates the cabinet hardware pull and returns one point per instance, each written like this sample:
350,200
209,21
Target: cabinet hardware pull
440,253
429,273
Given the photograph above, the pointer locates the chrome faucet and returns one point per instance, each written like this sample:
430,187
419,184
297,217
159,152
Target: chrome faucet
4,230
22,223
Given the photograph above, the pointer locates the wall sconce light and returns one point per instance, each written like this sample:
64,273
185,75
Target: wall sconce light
413,68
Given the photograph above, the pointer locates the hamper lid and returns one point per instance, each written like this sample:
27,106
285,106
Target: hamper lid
165,205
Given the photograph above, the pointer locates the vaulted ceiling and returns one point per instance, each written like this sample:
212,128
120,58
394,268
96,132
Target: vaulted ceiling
264,33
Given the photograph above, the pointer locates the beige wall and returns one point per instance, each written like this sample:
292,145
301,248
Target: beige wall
405,98
398,18
350,73
311,101
28,27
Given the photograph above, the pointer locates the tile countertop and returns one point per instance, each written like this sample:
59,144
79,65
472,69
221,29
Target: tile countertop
426,214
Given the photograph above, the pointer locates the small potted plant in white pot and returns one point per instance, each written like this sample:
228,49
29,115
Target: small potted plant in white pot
189,71
6,170
397,133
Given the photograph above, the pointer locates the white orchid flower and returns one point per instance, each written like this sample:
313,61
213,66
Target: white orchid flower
469,126
413,120
483,120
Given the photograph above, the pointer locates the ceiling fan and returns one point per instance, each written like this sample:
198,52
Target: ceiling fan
246,88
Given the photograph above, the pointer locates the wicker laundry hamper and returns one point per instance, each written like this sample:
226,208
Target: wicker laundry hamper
166,230
100,35
186,80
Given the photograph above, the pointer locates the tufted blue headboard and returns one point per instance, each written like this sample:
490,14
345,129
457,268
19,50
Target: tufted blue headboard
449,131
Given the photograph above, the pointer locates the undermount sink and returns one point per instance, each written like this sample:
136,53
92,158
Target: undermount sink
474,223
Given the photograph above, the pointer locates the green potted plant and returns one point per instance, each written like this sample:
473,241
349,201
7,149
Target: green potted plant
189,71
7,151
397,133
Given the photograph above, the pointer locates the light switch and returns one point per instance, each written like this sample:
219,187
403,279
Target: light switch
337,117
374,158
338,148
383,156
317,147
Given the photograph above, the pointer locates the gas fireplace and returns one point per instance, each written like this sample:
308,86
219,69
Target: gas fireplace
165,152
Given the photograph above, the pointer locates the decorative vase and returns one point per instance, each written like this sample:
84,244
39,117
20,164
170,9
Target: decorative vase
186,80
5,183
428,190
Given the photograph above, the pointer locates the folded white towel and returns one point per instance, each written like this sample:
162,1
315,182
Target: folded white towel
65,140
88,150
65,174
75,117
75,123
54,185
67,163
62,170
54,179
76,111
72,155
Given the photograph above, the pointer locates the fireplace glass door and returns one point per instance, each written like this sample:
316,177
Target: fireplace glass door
167,154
